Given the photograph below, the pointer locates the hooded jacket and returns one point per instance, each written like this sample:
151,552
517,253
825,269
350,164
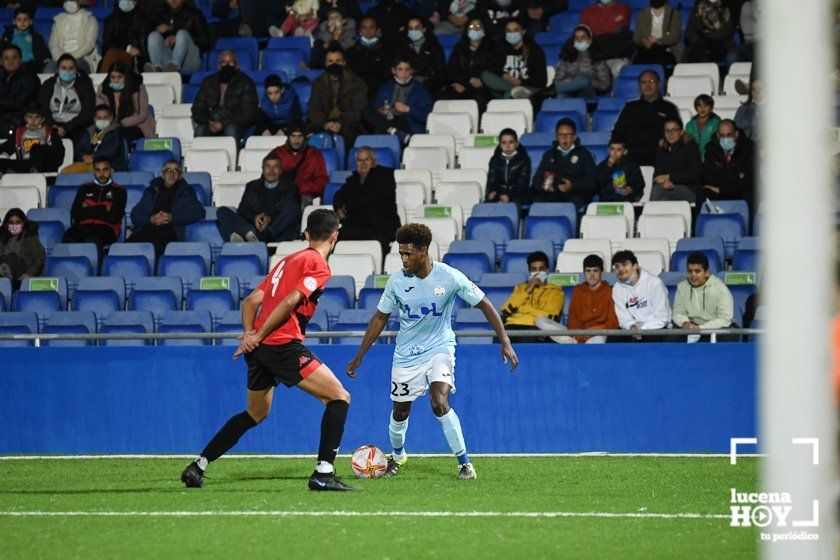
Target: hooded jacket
509,176
577,166
592,309
645,304
87,35
87,98
186,208
240,106
278,114
311,175
710,306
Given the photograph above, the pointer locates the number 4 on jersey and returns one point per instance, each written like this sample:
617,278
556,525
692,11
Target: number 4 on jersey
275,278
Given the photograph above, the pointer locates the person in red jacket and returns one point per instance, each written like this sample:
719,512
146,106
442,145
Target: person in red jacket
609,21
98,209
303,165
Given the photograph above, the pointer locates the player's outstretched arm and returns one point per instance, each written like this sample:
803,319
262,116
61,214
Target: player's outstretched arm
508,353
374,329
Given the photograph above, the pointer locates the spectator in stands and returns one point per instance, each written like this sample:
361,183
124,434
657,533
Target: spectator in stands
609,21
454,16
124,36
566,172
102,138
337,99
641,120
729,168
657,35
125,93
496,14
426,9
18,86
98,209
703,126
279,107
582,70
227,20
702,301
471,57
750,14
303,165
75,32
37,146
335,29
640,298
618,177
592,306
392,17
370,59
269,210
350,9
509,171
534,300
401,106
21,252
676,175
709,31
746,118
520,65
538,13
169,204
22,34
69,99
427,58
226,103
179,35
301,19
367,202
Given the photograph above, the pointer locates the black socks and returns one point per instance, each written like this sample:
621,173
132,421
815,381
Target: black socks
332,429
229,435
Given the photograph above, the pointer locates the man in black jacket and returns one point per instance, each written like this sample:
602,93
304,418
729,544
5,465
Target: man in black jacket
427,57
729,168
226,103
269,210
179,35
641,120
676,175
98,209
567,170
370,58
18,86
367,202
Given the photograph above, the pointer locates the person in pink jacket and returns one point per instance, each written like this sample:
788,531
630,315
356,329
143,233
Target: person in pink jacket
125,93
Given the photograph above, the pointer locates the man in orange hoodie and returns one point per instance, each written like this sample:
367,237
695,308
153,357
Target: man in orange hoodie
592,305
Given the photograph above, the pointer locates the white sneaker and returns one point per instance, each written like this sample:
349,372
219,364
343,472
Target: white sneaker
274,31
520,92
250,236
236,238
563,339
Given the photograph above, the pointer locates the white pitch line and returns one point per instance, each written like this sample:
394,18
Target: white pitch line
268,513
426,455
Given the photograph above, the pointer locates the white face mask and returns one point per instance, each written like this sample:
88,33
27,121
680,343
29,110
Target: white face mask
102,124
542,276
71,7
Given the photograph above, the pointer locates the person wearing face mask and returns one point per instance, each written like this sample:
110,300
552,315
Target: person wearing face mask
402,105
98,210
729,168
495,15
582,70
640,298
123,91
334,29
337,99
37,146
21,253
303,165
609,21
509,171
657,34
567,171
69,99
534,299
370,57
747,117
178,34
102,138
472,56
75,32
392,16
168,205
124,34
520,65
427,58
22,34
269,210
279,107
226,103
676,175
709,31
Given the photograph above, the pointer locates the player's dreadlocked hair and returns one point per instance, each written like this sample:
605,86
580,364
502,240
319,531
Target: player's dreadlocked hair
417,235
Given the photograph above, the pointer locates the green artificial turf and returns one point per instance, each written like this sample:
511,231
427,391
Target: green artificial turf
602,484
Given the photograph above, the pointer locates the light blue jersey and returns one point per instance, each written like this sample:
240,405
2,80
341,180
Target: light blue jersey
426,311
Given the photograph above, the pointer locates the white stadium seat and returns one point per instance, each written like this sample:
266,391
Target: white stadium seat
573,262
669,226
37,180
284,249
740,68
550,72
214,162
422,176
226,143
176,127
402,213
660,207
600,246
434,211
228,195
97,79
265,143
160,95
709,69
434,159
647,175
251,159
648,245
172,79
444,231
494,123
20,196
434,250
475,158
683,102
457,125
359,266
43,77
476,174
606,208
523,106
651,261
308,210
393,263
729,84
69,156
468,106
446,141
411,195
175,110
613,228
463,194
690,85
372,247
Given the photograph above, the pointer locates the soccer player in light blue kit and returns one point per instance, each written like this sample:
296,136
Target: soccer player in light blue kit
424,358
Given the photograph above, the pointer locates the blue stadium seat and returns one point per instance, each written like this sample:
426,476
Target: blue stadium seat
332,160
498,287
347,283
215,302
613,103
603,120
714,243
101,295
389,141
564,22
70,322
302,44
248,60
679,260
73,179
123,322
471,319
506,209
329,192
200,178
52,222
285,60
42,303
151,161
303,89
588,139
740,293
473,265
87,251
189,92
633,71
554,221
541,140
157,294
479,246
206,231
340,175
334,300
71,269
230,322
746,259
141,178
254,283
728,227
169,143
535,153
5,293
671,279
186,248
133,194
498,229
749,244
238,44
185,322
384,157
353,320
626,87
259,250
516,254
14,322
547,120
739,207
189,268
369,297
242,265
62,196
599,153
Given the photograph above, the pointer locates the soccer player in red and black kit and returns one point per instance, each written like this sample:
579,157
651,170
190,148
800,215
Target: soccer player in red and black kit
274,352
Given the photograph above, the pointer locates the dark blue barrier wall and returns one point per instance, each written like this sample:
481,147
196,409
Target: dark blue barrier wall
615,397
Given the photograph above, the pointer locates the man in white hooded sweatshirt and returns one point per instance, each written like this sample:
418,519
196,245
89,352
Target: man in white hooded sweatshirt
640,298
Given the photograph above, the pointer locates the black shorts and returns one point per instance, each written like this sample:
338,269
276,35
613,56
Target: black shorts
290,363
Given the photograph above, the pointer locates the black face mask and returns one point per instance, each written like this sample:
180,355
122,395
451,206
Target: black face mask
657,3
334,69
226,73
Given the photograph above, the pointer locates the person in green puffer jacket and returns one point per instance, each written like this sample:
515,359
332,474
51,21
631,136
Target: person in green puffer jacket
703,126
702,301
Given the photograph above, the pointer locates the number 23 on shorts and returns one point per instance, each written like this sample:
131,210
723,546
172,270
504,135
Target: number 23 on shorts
399,389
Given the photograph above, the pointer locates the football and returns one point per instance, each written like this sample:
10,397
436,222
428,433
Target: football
369,462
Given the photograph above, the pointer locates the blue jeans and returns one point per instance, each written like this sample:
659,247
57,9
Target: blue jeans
231,130
284,226
184,53
580,86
